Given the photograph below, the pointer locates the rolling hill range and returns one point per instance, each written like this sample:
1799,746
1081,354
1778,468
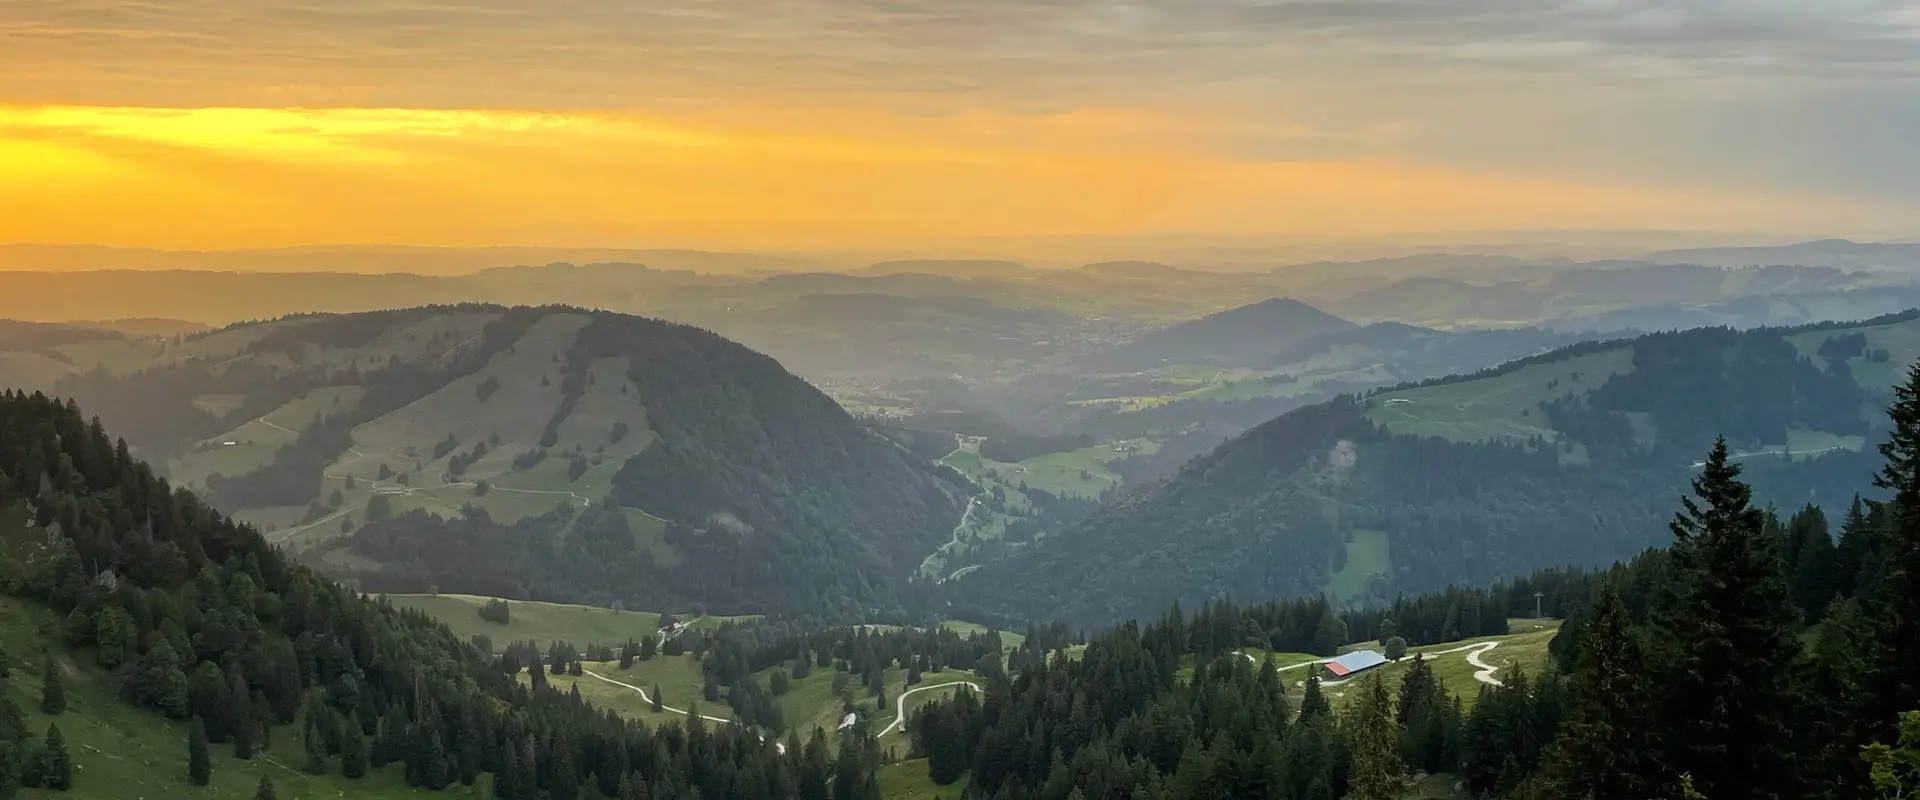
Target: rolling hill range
550,453
1573,456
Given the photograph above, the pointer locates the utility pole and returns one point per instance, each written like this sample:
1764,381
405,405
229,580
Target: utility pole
1536,605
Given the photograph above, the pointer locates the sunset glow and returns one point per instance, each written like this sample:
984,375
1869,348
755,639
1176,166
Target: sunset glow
752,124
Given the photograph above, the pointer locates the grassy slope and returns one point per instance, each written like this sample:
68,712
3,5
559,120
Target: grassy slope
510,421
544,622
907,780
1368,554
1526,646
122,752
1500,407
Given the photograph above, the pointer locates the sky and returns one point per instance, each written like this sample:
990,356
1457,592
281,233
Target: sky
818,123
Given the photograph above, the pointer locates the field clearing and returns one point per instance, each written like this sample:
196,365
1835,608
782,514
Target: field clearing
257,440
122,752
132,355
30,372
1009,639
1901,340
1503,407
908,780
531,620
218,405
1368,554
678,677
1526,647
1281,660
650,534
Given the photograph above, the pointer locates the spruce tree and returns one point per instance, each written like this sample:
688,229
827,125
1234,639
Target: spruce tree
1377,771
199,763
1898,607
1730,701
1604,752
53,696
1313,702
564,783
655,697
353,752
58,773
265,790
9,769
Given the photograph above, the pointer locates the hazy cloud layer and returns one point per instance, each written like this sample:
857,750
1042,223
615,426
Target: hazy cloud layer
592,52
1724,95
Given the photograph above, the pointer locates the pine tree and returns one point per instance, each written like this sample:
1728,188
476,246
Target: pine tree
1813,568
53,696
265,791
353,752
9,769
564,783
1899,606
1730,702
1377,771
58,772
1313,703
199,764
1604,752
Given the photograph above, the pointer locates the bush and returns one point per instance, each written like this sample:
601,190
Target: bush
495,611
1396,648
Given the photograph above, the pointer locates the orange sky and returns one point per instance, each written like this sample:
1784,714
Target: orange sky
745,123
224,177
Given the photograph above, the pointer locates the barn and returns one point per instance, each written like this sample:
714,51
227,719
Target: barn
1353,664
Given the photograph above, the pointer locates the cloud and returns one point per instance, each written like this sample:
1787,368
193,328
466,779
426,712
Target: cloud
1719,98
585,53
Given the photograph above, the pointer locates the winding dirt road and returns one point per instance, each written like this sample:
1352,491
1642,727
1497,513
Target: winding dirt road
1473,653
900,704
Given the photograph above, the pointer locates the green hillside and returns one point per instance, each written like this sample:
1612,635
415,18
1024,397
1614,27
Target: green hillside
558,453
120,751
544,623
170,653
1567,457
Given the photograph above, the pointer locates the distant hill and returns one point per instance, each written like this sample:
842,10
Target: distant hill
1838,253
217,298
954,268
377,259
1573,456
1613,287
548,453
1250,335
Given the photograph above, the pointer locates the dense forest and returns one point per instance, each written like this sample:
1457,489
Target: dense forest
1279,510
198,618
1753,658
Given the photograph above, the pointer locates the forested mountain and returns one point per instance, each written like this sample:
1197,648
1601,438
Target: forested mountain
1573,456
551,453
212,637
1754,658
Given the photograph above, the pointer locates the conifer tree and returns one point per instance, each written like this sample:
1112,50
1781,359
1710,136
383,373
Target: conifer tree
353,752
657,702
199,763
1313,702
564,783
58,774
1730,704
265,789
1604,752
9,769
53,696
1377,771
1899,605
